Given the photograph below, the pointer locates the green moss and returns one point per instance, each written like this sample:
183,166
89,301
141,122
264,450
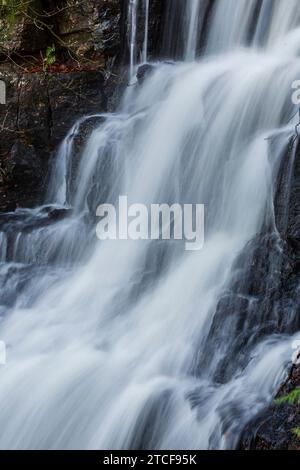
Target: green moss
296,432
292,398
10,10
10,16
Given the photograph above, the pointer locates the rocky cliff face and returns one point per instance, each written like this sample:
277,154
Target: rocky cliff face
40,109
275,428
56,58
60,60
88,31
274,279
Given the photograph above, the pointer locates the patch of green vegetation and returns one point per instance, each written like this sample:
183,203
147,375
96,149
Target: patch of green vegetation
50,58
293,398
9,10
296,432
12,12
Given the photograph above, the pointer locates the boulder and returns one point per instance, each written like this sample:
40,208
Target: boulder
143,72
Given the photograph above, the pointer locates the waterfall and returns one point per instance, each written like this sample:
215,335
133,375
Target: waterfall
233,22
146,38
133,345
57,192
133,11
132,15
3,245
231,25
193,16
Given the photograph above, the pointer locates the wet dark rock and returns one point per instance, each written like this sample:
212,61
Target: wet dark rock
72,96
287,197
262,299
41,106
26,220
89,30
275,285
21,179
40,110
19,33
59,214
90,36
143,72
273,428
92,29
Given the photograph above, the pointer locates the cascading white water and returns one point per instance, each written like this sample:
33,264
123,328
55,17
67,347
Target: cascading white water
102,355
58,185
132,15
193,18
231,23
146,38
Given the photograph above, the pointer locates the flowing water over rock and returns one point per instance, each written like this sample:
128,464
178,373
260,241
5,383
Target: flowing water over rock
126,345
